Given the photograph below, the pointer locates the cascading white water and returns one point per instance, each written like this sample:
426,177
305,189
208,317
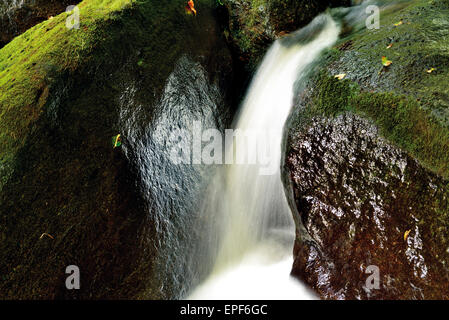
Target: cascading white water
9,5
254,229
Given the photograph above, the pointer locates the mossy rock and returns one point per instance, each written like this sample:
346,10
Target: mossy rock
60,103
367,158
408,100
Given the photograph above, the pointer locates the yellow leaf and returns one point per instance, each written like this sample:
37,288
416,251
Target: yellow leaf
386,62
398,24
117,141
431,70
340,76
406,233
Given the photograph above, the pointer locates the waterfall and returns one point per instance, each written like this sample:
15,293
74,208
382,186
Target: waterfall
249,226
10,5
7,10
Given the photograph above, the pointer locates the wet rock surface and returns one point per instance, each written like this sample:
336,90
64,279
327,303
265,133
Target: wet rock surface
362,202
366,165
113,212
17,16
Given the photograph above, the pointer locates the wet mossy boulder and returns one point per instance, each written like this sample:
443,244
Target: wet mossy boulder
366,164
252,25
67,196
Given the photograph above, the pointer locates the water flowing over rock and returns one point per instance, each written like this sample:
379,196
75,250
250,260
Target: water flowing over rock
253,25
365,159
248,230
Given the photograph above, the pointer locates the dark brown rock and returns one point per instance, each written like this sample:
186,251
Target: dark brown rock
357,197
17,16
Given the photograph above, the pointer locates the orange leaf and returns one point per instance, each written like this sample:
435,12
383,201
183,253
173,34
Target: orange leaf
46,234
190,8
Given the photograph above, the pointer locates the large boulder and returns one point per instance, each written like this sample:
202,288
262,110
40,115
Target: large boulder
67,196
366,165
366,203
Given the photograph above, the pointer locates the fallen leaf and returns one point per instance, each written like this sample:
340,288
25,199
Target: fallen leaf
46,234
386,62
340,76
398,24
431,70
116,141
190,8
406,233
389,46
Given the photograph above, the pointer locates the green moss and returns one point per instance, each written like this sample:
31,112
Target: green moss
26,61
409,105
332,96
249,29
400,119
257,6
420,43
